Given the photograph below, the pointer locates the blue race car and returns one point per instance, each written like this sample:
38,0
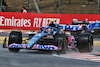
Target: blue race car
93,28
50,38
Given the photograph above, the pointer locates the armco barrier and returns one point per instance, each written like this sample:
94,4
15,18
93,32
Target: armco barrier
33,21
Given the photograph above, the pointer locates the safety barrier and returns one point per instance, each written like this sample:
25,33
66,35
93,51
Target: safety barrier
33,21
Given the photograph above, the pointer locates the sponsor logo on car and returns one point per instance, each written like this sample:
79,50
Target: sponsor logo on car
72,27
46,47
17,45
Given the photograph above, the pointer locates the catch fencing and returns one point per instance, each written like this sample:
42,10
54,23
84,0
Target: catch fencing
52,6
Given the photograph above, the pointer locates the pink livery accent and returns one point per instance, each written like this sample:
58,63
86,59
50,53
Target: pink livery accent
14,45
71,41
11,45
36,46
80,27
24,46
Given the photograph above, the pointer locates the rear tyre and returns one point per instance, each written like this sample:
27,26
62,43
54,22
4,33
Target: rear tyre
60,41
15,37
85,42
75,33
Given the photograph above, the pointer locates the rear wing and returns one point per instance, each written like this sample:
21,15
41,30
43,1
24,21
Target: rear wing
80,22
85,23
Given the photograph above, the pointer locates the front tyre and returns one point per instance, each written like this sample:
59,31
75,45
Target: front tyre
60,41
15,37
85,42
14,49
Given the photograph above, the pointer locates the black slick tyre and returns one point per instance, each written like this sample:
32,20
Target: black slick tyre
85,42
60,42
15,37
75,33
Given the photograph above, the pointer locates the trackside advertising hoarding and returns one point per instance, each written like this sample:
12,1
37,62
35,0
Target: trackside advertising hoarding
33,21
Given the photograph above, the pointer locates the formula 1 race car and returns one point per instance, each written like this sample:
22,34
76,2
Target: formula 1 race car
85,26
94,29
50,38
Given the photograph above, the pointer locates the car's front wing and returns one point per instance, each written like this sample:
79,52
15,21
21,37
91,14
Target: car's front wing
36,46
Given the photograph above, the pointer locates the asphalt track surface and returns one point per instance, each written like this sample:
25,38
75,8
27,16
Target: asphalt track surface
35,58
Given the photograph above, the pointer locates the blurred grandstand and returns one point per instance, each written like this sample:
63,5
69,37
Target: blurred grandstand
51,6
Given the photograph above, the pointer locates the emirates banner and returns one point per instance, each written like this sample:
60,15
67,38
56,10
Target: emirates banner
33,21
